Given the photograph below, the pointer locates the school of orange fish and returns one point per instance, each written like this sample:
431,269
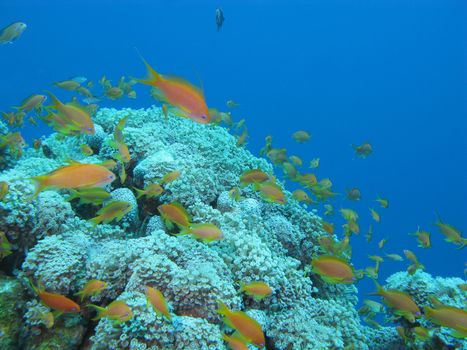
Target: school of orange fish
86,183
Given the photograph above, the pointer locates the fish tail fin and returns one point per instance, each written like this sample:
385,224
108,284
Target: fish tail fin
41,184
96,221
139,192
153,77
101,311
463,243
81,296
73,195
223,309
428,311
379,289
55,101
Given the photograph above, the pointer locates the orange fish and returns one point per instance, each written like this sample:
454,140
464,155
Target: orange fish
235,342
188,99
333,270
55,301
156,299
75,175
151,191
258,290
117,311
174,213
204,232
253,176
270,192
401,302
248,328
93,287
448,316
169,177
74,113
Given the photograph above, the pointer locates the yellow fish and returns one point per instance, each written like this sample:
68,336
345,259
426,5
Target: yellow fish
151,191
92,287
114,210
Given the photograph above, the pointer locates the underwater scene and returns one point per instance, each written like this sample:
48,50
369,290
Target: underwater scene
278,175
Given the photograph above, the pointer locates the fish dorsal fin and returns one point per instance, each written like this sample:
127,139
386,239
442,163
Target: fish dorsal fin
73,162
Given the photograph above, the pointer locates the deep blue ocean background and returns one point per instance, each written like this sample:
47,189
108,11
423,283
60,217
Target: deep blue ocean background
391,72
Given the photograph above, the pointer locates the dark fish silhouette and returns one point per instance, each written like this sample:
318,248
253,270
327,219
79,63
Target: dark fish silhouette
219,18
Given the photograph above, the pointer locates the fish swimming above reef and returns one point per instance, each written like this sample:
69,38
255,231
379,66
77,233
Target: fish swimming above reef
73,115
95,195
401,302
93,287
258,289
270,192
448,316
219,18
117,311
248,328
333,270
114,210
32,102
452,234
174,213
55,301
76,176
205,232
187,99
155,298
12,32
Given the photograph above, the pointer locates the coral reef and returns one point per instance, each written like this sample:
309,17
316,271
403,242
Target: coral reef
262,241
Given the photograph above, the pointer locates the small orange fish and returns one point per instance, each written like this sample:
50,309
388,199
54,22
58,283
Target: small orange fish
401,302
448,316
37,144
32,102
258,290
235,342
302,196
179,93
423,238
75,175
333,270
117,311
86,150
93,287
151,191
156,299
74,113
328,227
253,176
249,329
55,301
114,210
174,213
169,177
204,232
270,192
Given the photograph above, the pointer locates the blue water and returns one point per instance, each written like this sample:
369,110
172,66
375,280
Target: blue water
389,72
